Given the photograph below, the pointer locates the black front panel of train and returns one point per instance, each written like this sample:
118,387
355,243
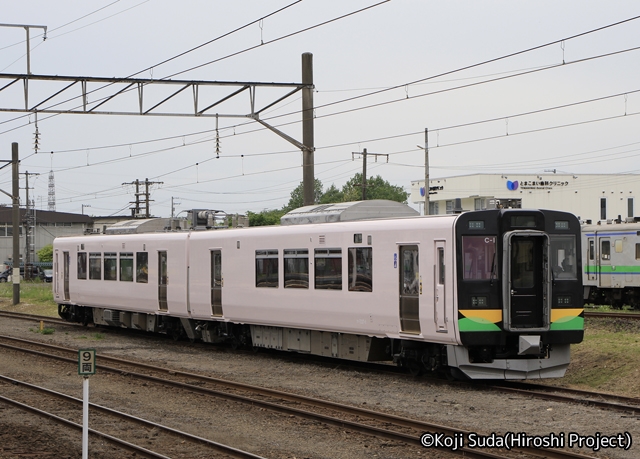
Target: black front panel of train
538,239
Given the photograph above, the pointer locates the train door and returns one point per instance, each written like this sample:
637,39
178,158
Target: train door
163,280
66,261
527,296
216,283
604,262
592,261
56,273
409,289
439,310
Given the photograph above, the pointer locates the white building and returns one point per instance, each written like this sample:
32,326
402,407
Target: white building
592,197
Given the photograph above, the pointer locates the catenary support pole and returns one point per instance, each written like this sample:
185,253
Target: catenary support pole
16,222
426,171
308,176
364,174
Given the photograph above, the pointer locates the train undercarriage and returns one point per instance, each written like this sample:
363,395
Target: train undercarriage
614,297
417,357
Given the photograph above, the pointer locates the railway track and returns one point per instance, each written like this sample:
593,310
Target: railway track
629,405
380,425
37,395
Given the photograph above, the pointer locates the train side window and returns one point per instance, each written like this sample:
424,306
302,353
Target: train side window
441,266
110,266
605,251
142,267
267,268
296,268
479,257
360,269
592,249
328,269
126,266
637,251
82,265
95,265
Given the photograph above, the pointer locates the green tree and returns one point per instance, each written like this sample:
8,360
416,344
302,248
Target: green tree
377,188
297,196
266,217
332,194
45,254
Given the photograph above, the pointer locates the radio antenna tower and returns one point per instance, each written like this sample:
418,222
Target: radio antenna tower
52,189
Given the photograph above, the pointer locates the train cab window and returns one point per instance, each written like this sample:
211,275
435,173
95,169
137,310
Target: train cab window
82,265
296,268
110,266
360,269
563,257
126,267
95,265
142,267
267,268
328,269
479,257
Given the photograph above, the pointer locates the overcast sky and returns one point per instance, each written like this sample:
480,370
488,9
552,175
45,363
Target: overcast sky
391,45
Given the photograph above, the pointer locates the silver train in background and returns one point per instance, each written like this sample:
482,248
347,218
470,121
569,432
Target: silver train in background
611,262
473,294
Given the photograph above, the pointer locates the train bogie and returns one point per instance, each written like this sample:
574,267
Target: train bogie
473,293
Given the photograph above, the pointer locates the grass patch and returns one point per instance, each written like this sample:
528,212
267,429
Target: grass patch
35,298
44,331
608,360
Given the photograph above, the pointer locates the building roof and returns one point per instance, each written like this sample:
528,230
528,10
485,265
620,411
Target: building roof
44,216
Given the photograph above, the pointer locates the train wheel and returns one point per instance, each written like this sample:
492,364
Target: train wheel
414,367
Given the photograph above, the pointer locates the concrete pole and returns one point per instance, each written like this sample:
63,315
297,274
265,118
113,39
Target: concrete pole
308,175
16,222
364,174
426,171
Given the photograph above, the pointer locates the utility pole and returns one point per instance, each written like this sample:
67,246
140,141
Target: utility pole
16,222
427,187
135,211
364,168
29,226
426,172
173,207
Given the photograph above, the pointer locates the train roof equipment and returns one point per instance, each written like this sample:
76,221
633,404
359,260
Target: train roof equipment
347,211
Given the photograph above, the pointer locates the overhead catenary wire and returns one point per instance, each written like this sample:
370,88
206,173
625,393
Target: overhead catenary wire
440,128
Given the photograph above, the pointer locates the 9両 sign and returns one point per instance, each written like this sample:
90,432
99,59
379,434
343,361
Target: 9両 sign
86,362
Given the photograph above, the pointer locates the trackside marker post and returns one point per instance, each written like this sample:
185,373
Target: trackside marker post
86,367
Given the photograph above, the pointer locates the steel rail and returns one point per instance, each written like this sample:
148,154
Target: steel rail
126,445
622,403
613,315
103,409
329,420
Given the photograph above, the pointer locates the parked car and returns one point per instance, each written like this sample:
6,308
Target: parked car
4,275
47,275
